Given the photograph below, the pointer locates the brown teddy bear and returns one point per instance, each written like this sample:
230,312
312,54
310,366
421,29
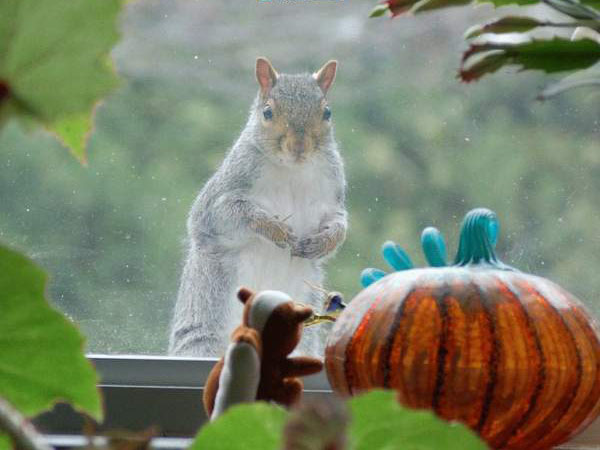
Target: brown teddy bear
256,365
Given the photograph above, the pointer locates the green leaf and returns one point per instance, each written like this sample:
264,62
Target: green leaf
399,7
509,24
428,5
500,3
5,442
592,3
41,352
74,133
255,426
379,10
54,59
380,422
480,66
555,55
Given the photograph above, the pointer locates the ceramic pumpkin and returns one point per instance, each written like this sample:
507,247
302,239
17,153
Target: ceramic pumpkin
513,356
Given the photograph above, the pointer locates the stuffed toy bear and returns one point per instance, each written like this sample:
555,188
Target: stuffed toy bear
257,365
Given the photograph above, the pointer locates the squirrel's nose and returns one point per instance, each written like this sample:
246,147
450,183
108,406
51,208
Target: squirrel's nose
299,147
298,142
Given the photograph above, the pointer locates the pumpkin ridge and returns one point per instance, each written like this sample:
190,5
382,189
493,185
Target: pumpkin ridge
542,369
489,390
348,369
589,331
559,410
541,380
445,291
378,347
390,339
579,364
468,342
407,373
575,414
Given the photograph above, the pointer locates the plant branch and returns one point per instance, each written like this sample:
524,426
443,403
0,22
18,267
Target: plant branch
573,9
19,429
593,24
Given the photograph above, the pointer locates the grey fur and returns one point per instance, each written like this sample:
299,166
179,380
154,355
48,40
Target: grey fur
223,218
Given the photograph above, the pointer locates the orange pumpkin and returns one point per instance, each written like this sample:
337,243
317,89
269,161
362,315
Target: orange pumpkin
513,356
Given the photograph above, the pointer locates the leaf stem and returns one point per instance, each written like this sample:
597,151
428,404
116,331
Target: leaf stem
23,434
593,24
478,237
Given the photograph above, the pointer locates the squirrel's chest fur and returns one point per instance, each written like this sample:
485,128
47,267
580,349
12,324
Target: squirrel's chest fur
302,196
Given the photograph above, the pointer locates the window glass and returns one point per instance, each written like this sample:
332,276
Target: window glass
419,149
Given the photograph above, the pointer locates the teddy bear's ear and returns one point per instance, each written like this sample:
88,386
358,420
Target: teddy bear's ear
244,294
302,312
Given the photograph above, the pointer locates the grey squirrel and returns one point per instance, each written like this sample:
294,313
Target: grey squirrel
268,217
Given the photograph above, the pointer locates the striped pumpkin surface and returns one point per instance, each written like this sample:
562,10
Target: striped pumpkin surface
513,356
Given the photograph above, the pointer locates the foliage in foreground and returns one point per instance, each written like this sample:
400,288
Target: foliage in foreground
54,68
375,421
494,44
41,352
54,64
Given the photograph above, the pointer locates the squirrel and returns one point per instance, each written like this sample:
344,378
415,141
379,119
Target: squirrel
268,217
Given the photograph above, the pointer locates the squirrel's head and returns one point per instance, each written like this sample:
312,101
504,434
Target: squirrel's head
292,112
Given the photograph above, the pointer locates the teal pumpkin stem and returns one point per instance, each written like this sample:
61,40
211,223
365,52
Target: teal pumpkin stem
370,276
395,256
478,237
434,247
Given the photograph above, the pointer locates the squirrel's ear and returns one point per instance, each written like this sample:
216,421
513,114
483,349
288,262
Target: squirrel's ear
244,294
265,75
326,75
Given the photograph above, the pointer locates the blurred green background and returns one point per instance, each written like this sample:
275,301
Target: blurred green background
420,149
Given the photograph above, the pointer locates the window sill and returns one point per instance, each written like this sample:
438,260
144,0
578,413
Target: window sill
144,391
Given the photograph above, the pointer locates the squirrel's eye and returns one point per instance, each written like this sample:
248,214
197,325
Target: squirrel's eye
326,113
267,113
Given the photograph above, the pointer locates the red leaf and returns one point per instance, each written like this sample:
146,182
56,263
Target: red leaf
398,7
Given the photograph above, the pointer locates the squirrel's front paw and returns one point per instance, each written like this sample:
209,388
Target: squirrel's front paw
274,230
282,235
320,244
311,247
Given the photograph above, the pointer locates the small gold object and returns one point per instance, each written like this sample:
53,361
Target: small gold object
318,318
329,315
